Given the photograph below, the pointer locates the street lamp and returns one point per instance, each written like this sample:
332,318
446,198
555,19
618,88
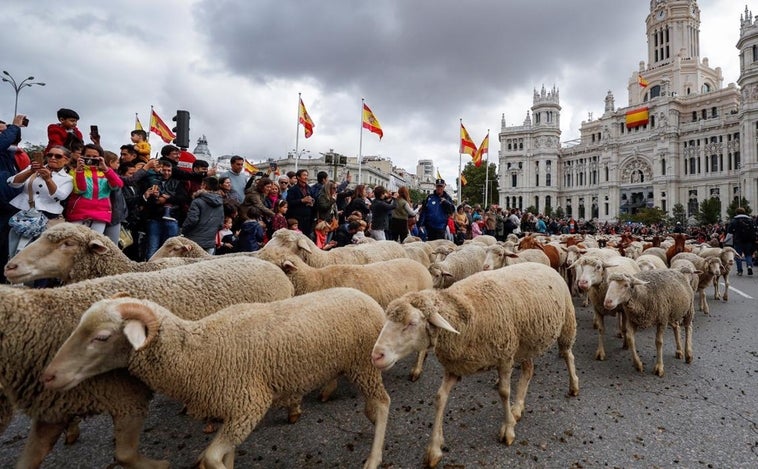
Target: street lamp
17,87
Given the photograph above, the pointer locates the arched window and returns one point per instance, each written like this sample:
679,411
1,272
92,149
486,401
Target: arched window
655,91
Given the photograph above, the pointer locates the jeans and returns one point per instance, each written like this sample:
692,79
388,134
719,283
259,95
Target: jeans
746,252
158,231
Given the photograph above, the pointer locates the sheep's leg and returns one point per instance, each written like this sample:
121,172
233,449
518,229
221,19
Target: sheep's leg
39,443
377,410
621,323
328,390
678,339
434,450
716,295
703,301
126,431
564,346
659,349
6,411
725,296
632,346
508,428
220,453
72,431
687,323
419,366
527,372
600,323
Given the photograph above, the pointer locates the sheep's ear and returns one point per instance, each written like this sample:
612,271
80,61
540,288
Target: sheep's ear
575,263
98,247
437,320
445,273
121,294
185,247
288,266
303,244
698,272
140,323
607,265
636,281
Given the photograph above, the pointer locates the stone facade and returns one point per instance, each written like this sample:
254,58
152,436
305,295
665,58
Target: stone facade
698,139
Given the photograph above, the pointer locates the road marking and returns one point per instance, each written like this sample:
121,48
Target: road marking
744,295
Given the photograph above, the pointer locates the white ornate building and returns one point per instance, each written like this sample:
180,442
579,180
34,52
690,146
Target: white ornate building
682,138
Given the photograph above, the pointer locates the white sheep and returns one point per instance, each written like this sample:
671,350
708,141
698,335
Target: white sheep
727,256
179,246
242,359
302,246
650,262
72,253
657,252
657,298
419,252
489,320
459,264
592,272
498,256
709,267
44,318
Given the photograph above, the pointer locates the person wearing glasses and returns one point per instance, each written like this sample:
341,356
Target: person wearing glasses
50,187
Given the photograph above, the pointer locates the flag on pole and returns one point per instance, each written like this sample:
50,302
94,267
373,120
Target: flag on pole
305,120
160,128
483,148
463,180
642,82
438,174
250,167
371,123
467,145
137,123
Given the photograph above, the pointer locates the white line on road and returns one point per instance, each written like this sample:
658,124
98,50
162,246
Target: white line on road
744,295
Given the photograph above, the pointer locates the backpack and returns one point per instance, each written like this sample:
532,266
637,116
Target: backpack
744,229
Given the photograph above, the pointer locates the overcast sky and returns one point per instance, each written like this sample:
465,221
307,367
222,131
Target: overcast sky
421,65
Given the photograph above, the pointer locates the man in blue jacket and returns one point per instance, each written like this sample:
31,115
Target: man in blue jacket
10,135
435,211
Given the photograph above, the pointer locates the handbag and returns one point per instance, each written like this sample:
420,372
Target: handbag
29,223
125,238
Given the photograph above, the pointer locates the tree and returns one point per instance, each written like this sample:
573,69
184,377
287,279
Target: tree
532,209
647,216
417,196
678,214
548,211
709,212
473,191
731,211
558,213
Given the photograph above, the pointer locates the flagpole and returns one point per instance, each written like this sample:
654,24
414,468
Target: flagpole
487,173
150,125
297,132
360,143
460,155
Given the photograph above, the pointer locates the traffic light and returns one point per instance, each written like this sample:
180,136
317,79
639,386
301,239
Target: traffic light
182,128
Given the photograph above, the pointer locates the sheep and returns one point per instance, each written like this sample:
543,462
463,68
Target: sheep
710,267
487,240
440,252
727,256
411,239
592,273
677,247
261,355
498,256
648,262
72,253
41,320
419,252
301,245
459,264
179,246
657,252
552,252
653,298
488,320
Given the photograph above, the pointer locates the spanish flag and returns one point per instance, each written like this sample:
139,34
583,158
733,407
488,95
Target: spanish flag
467,145
305,120
158,127
483,148
642,82
637,117
438,174
137,123
250,167
463,180
370,122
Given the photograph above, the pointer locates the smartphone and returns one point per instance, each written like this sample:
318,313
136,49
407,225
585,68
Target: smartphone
25,122
94,131
38,157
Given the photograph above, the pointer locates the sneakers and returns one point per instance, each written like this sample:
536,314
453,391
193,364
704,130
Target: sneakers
174,219
750,271
739,273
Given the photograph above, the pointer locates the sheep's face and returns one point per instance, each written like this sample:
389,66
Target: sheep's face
619,291
176,247
405,331
589,272
495,258
53,254
97,345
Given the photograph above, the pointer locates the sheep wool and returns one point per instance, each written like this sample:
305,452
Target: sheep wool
37,321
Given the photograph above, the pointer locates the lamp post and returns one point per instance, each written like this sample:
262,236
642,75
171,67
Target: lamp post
17,87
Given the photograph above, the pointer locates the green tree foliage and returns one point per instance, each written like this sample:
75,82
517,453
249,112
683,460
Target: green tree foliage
709,212
647,216
417,196
678,214
473,191
532,209
559,213
732,209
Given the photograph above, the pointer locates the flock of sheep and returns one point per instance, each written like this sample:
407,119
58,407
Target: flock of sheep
290,319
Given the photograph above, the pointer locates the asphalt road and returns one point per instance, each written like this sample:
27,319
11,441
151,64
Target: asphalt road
702,415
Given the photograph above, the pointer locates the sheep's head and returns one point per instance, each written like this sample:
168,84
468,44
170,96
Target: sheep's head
411,320
292,241
590,271
620,287
104,339
179,246
440,276
57,253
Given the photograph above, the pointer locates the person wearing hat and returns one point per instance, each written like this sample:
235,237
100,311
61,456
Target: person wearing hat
435,211
678,228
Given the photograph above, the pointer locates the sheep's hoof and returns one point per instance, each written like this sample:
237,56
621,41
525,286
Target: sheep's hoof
517,410
507,435
72,432
433,457
679,354
414,376
209,427
600,355
688,358
658,370
639,367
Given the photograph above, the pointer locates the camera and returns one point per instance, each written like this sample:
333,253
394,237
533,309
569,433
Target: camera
25,122
91,161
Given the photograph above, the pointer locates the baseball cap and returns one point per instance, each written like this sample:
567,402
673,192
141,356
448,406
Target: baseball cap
439,182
